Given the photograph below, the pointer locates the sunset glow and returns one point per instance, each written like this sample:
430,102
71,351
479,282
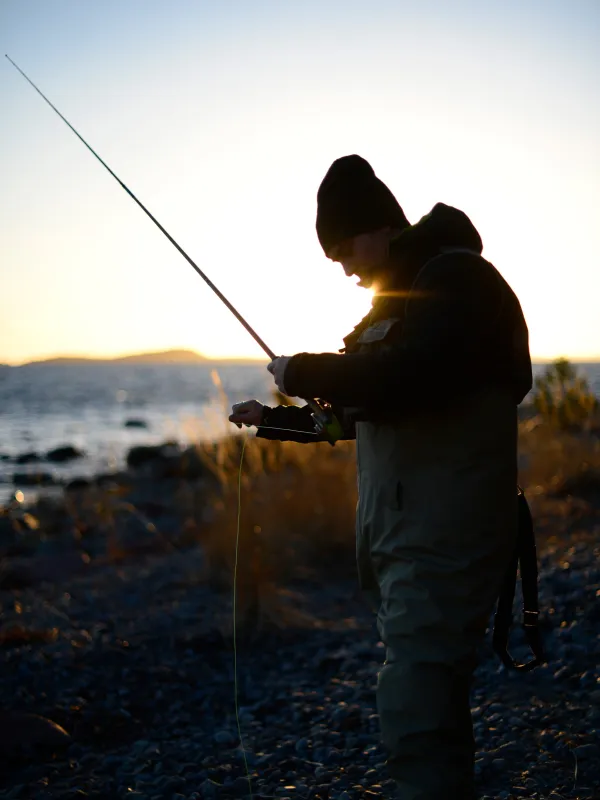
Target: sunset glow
224,118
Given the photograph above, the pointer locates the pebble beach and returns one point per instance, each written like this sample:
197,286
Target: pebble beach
135,663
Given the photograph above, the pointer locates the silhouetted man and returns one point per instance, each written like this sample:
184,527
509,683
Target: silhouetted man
428,383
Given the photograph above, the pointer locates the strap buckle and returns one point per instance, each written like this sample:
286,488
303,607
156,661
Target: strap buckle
532,635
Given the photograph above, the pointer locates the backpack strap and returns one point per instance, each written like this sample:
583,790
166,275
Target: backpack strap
525,559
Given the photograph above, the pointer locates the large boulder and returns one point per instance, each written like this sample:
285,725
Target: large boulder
167,461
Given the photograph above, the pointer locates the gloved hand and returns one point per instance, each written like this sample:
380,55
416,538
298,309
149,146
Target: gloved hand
277,370
250,412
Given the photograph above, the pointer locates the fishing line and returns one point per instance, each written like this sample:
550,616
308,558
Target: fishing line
204,277
237,539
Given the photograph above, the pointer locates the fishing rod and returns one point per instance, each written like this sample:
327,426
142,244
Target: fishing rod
325,421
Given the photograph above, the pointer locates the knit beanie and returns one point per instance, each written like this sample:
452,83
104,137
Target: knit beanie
352,200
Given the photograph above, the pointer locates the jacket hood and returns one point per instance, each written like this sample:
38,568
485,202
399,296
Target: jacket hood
446,226
443,228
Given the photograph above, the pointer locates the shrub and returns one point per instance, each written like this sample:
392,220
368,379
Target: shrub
562,397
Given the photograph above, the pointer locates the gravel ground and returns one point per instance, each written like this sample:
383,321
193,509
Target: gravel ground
136,671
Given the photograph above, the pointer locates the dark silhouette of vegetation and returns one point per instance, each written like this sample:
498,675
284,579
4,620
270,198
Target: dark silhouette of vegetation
562,397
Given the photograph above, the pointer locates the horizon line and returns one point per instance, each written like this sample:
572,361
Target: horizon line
183,351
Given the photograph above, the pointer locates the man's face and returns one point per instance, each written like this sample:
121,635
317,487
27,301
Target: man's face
362,255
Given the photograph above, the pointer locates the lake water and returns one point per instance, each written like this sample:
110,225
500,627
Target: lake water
43,406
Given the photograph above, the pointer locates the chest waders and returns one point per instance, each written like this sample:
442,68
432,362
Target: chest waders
441,527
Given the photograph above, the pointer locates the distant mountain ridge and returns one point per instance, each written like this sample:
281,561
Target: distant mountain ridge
160,357
182,356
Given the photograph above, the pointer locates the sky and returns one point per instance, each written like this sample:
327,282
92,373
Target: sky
223,117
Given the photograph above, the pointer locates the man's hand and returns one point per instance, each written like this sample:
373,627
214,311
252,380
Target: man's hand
250,412
277,370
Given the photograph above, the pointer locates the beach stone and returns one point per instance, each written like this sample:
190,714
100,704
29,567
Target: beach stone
587,751
24,732
323,772
60,455
136,534
112,762
225,737
140,746
9,534
562,673
15,575
172,784
17,792
57,568
33,479
28,458
240,786
78,485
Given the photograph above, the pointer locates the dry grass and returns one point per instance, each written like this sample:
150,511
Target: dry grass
561,476
298,508
298,504
550,457
296,520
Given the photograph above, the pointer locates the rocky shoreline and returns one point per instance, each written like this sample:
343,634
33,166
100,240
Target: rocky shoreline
133,658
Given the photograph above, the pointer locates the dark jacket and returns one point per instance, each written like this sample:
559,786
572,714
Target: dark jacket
443,325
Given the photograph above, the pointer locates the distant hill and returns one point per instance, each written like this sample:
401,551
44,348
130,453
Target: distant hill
192,357
161,357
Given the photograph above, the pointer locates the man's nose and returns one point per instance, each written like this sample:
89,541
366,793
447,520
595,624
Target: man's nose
348,269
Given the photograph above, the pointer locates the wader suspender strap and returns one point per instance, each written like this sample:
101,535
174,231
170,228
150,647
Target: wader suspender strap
525,558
